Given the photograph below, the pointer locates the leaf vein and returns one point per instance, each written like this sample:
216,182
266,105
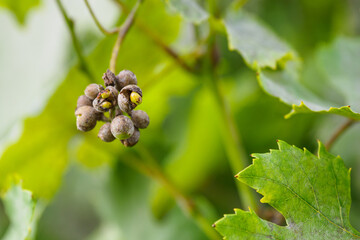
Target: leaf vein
337,192
302,199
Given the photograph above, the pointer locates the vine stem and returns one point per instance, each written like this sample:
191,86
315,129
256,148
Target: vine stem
157,40
149,166
97,22
233,147
232,141
70,24
338,132
121,35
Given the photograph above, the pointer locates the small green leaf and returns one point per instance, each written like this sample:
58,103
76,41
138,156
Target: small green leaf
189,9
20,8
20,208
337,64
258,45
311,192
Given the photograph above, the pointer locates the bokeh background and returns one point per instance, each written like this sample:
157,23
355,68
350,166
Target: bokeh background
86,190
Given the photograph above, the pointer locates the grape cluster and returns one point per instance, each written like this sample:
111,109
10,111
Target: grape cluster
117,99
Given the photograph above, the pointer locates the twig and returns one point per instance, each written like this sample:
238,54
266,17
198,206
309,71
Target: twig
232,141
98,24
158,41
338,132
122,33
171,52
70,24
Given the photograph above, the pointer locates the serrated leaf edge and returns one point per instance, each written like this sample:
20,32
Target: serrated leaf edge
282,145
302,108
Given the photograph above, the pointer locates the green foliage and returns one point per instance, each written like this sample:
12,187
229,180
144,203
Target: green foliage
23,212
44,139
340,74
259,46
189,9
20,8
109,201
192,166
312,193
201,115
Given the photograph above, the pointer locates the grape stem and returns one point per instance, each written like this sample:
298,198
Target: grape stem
157,40
123,30
97,22
70,24
231,138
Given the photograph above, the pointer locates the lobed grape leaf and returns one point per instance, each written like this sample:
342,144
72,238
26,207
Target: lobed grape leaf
312,192
338,67
258,45
262,49
189,9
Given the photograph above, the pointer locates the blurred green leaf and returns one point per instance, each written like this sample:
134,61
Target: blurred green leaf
198,153
125,201
20,8
258,45
40,155
336,64
312,192
20,207
189,9
113,202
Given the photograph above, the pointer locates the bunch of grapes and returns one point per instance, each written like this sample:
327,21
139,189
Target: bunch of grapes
117,99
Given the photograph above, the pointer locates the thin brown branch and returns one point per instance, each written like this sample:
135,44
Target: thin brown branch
122,34
171,52
70,24
158,41
338,132
97,22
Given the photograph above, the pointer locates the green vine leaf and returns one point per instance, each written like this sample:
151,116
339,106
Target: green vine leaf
20,8
21,209
341,73
189,9
312,192
258,45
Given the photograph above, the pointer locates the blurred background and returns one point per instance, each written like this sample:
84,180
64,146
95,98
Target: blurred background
84,188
